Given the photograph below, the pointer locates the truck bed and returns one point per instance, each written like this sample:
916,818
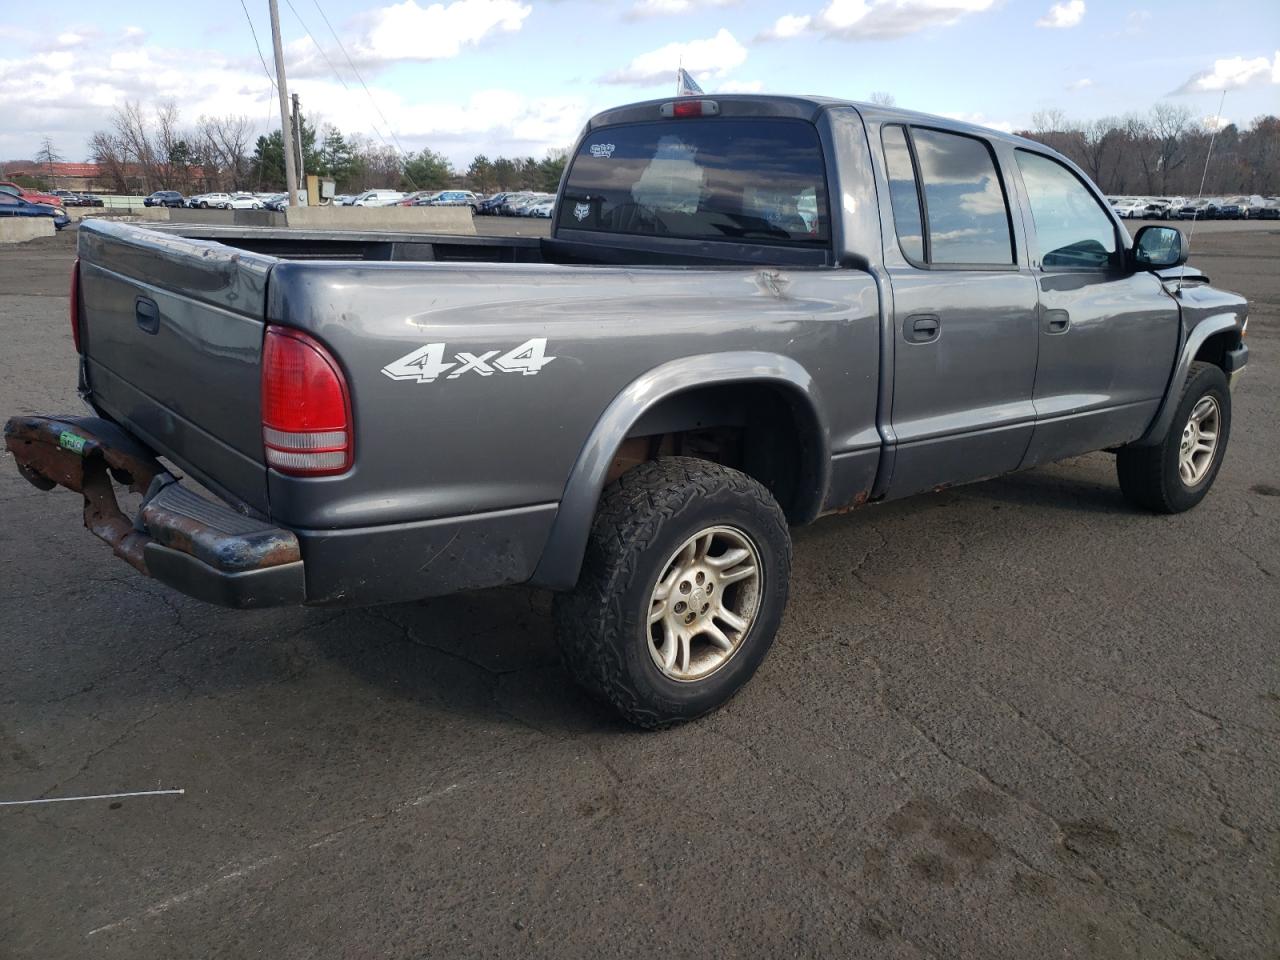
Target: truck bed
399,246
172,330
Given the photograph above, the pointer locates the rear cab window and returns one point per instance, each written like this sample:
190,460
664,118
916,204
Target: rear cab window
749,180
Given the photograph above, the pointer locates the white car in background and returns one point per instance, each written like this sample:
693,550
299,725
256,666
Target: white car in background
244,201
1129,209
378,198
543,208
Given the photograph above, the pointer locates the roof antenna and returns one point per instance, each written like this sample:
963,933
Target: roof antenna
679,68
1217,122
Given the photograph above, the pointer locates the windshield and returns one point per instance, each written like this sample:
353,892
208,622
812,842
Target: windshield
706,179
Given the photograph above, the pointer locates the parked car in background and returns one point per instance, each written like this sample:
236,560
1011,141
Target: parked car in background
15,206
277,201
243,201
410,199
456,198
164,198
1260,208
489,206
1130,209
378,198
1198,210
1235,208
543,208
525,207
89,200
31,196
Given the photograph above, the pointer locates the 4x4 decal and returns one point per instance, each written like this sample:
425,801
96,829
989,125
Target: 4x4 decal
427,364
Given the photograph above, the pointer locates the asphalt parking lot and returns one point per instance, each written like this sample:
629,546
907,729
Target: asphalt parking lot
1012,720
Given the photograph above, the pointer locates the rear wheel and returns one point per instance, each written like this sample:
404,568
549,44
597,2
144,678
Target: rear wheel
682,589
1175,474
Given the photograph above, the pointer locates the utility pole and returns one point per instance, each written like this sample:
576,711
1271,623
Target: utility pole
297,138
286,127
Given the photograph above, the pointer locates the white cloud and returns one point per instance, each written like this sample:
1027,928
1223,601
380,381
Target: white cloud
1063,15
1215,122
710,58
69,94
1232,73
1136,20
642,9
70,39
740,86
888,19
407,31
787,26
1082,84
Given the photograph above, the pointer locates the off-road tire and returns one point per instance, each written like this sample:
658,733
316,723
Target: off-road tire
643,517
1149,475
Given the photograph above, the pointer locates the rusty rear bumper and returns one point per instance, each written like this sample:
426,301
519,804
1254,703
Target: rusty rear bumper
201,547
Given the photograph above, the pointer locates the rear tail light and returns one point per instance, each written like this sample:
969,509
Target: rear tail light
689,108
306,408
75,304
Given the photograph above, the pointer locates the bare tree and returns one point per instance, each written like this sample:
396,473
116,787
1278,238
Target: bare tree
1050,120
224,149
108,154
1170,125
1099,143
132,131
48,155
883,98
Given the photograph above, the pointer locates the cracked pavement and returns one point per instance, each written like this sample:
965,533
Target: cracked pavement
1012,720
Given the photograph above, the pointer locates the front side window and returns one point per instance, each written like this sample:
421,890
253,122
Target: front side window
744,180
963,199
1072,230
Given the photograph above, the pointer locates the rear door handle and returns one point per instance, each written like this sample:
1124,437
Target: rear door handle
147,314
1057,321
922,327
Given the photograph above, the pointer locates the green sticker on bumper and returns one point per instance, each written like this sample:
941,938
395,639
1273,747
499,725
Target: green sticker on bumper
71,442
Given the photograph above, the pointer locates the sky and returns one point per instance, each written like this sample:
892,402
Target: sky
519,77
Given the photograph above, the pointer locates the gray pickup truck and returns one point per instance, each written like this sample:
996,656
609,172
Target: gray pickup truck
751,311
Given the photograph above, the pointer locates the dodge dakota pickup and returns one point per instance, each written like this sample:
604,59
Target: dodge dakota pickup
751,311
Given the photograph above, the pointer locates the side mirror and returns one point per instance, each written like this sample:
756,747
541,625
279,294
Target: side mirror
1158,248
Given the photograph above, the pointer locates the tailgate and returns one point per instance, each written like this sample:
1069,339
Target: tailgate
171,332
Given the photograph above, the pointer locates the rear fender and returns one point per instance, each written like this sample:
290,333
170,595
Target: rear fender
562,556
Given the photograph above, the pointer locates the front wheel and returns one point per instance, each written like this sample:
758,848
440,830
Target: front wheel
682,589
1175,474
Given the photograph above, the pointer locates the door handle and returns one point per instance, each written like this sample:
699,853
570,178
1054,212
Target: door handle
147,314
922,327
1057,321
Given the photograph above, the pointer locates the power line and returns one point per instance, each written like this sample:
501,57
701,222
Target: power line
336,73
257,46
367,92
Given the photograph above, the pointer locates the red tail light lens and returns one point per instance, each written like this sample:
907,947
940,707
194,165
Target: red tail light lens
75,304
306,409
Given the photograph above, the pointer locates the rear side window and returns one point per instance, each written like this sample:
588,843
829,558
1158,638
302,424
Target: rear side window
959,189
1072,229
902,192
744,180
